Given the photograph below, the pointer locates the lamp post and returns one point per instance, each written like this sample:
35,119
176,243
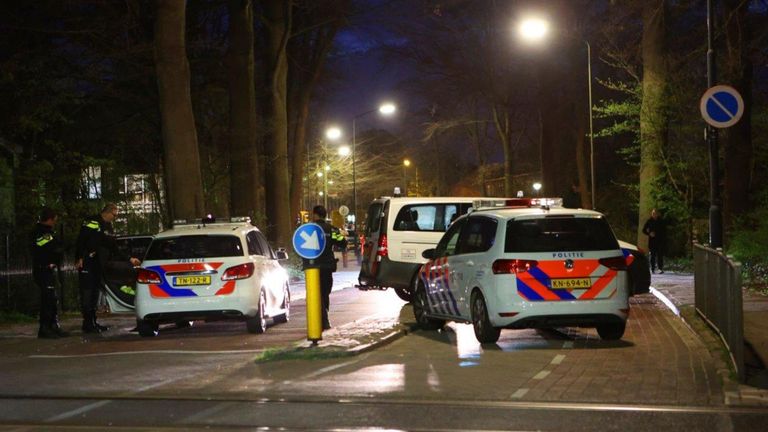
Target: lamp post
406,164
385,109
536,29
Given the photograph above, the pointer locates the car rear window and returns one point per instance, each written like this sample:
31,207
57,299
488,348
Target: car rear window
195,246
555,234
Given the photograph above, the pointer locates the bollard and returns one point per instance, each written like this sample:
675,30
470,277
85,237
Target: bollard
314,305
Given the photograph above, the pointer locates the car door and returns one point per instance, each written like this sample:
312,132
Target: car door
468,266
375,226
120,276
436,273
274,276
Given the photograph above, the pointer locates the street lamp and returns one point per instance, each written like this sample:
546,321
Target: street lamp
537,187
387,109
344,151
406,164
534,29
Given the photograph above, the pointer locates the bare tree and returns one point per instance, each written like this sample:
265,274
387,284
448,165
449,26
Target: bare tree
653,113
245,178
182,160
277,21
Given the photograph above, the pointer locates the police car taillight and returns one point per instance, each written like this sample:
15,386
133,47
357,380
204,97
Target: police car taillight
513,266
148,277
614,263
242,271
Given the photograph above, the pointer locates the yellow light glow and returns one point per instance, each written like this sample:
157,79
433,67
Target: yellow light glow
387,108
533,29
333,133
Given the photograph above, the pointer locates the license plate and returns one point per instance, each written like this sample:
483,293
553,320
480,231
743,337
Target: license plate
192,280
571,283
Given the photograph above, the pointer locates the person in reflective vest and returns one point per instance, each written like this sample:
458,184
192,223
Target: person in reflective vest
326,262
46,258
96,245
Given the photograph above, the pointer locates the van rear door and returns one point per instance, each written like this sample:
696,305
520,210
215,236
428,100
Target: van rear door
375,227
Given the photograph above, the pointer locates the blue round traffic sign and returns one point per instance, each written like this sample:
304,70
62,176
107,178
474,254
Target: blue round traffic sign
309,241
721,106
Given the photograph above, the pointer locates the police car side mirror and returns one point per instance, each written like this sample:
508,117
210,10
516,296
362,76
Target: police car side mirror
429,254
281,254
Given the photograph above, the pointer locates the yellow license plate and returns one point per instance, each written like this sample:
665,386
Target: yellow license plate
191,280
571,283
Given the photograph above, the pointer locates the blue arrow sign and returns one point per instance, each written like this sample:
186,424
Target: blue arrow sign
309,241
721,106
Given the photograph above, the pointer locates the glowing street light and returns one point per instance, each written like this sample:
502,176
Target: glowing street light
387,108
537,187
533,29
333,133
406,164
344,151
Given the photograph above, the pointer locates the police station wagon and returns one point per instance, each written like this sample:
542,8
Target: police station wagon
212,270
529,264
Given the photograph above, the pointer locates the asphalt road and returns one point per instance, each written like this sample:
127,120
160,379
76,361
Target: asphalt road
660,376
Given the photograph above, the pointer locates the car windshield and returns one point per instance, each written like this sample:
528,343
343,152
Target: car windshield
559,234
195,246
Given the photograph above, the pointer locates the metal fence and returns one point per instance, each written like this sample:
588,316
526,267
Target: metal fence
717,284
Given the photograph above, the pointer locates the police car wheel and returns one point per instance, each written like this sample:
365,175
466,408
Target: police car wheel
420,307
613,331
147,328
258,324
283,318
485,332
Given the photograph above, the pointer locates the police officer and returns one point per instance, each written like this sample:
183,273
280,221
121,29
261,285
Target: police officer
326,262
96,245
46,257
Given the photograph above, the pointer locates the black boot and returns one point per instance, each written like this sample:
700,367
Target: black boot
101,328
89,325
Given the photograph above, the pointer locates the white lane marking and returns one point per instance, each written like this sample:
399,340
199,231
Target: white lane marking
568,344
665,300
558,359
74,412
519,393
151,386
541,375
326,369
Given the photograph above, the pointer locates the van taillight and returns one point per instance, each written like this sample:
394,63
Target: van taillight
145,276
504,266
381,249
242,271
614,263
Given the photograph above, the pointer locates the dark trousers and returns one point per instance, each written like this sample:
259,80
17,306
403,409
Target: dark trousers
45,280
90,285
656,257
326,285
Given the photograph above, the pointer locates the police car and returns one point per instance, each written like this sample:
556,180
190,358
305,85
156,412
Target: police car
212,270
528,264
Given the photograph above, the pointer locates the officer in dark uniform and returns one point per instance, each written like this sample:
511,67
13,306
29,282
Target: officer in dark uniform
46,257
326,262
96,245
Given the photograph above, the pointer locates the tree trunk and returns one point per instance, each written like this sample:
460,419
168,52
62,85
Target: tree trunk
299,153
182,160
245,180
277,17
653,117
737,139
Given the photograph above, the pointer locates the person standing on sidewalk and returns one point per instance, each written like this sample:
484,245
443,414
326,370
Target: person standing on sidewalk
46,257
95,246
326,262
656,230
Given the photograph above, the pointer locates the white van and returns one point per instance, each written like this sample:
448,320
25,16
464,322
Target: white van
397,231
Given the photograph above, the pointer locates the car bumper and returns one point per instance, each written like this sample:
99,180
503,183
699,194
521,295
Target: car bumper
242,302
390,274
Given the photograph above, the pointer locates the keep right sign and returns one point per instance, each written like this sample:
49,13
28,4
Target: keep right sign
721,106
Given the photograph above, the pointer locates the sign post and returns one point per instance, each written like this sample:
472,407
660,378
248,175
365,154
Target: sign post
309,243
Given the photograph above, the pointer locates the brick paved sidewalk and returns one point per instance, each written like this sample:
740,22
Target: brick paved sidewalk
678,291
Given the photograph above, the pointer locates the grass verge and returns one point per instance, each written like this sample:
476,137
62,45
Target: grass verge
300,353
16,318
